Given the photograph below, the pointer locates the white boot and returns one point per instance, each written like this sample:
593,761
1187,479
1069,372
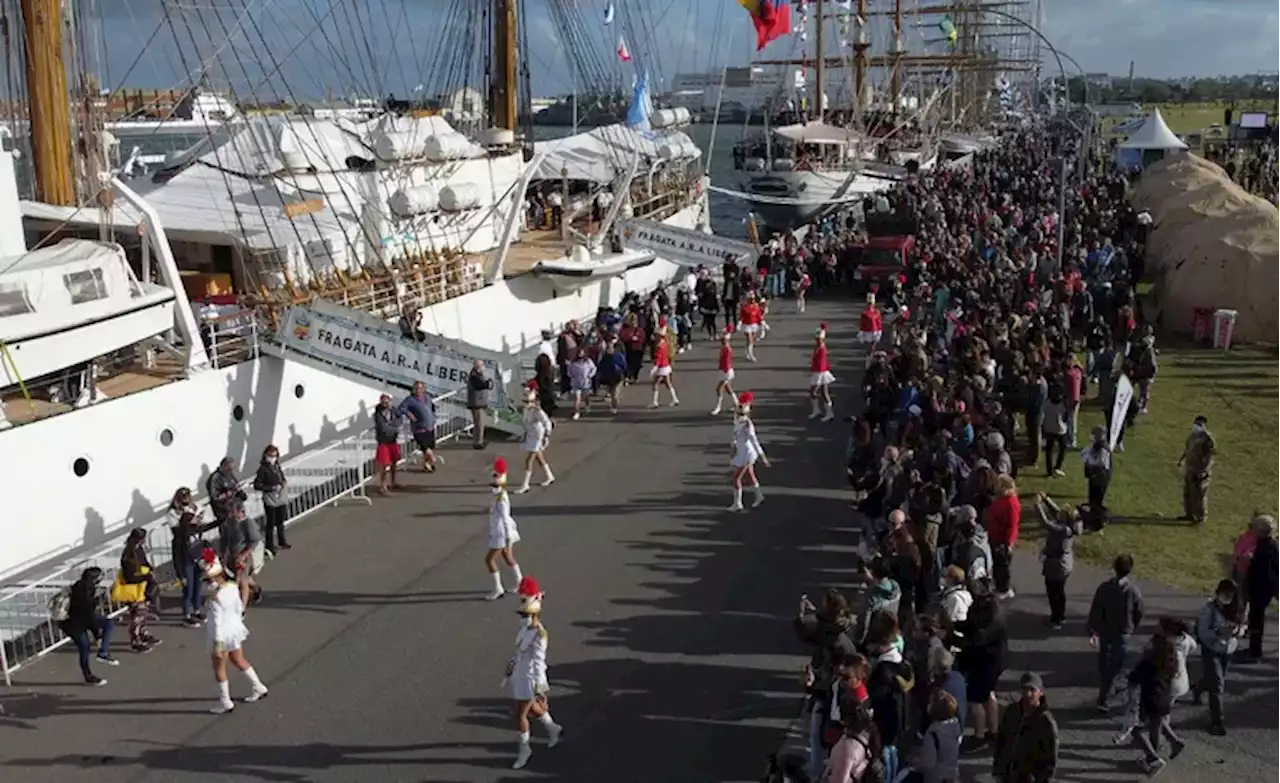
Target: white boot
737,499
714,411
654,404
523,752
498,592
674,399
830,414
554,730
225,704
550,479
759,496
528,474
814,410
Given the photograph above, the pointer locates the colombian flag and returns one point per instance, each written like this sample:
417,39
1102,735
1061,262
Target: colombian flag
772,19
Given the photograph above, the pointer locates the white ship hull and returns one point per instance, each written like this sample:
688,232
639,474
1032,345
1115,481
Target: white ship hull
129,473
811,192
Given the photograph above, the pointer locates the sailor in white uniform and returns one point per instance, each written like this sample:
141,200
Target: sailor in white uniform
527,672
503,533
537,435
746,450
227,633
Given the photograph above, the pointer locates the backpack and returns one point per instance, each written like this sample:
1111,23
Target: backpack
60,606
883,769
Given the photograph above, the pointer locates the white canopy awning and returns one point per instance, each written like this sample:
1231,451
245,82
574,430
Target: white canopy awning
817,133
600,154
1153,135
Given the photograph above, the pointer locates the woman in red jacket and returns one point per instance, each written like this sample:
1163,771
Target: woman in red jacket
1001,521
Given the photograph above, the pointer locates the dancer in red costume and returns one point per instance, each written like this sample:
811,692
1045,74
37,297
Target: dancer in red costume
870,324
724,385
662,371
802,288
820,377
749,319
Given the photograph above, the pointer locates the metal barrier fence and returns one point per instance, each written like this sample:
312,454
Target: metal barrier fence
314,480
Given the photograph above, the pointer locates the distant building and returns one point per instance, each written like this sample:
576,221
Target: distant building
1099,80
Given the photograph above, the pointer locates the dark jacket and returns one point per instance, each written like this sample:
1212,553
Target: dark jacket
1261,580
82,607
386,424
269,476
188,540
1155,698
1117,609
937,757
132,562
478,387
1059,542
225,496
984,638
1026,746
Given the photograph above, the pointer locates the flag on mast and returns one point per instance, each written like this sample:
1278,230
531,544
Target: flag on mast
640,109
772,19
608,14
624,54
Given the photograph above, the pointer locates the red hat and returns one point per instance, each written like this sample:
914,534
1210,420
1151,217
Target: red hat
528,587
532,384
500,466
745,398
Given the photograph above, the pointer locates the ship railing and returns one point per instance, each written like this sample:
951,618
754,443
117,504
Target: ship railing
230,338
335,473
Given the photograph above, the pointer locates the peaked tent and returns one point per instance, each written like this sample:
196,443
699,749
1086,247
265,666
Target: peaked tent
1150,142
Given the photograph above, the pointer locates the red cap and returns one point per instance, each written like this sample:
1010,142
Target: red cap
500,466
532,384
529,587
728,328
745,398
823,326
902,279
208,556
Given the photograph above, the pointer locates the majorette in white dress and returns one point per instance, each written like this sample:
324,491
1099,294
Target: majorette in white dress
227,630
746,446
502,526
537,424
870,323
726,357
529,667
819,363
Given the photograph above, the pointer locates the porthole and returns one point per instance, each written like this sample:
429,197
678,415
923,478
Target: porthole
298,391
80,467
166,437
237,413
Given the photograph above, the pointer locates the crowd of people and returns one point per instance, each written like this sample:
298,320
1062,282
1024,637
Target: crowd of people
975,381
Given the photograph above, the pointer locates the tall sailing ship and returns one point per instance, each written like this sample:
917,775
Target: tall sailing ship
836,140
247,290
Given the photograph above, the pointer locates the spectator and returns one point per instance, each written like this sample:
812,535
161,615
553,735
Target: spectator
1218,630
386,430
1062,527
86,625
271,482
479,387
1027,745
1001,522
937,757
1114,616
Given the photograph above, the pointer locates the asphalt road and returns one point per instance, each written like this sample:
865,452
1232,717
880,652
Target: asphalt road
671,658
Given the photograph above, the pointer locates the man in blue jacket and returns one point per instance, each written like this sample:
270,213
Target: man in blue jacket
422,423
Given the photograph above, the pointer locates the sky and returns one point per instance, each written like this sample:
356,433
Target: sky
312,48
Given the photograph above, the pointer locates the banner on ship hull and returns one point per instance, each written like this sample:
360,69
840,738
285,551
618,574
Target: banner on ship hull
685,246
384,354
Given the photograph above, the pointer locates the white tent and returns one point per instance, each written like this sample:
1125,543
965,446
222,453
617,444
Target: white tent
1154,134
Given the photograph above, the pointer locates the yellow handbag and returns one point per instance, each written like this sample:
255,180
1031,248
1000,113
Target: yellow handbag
124,593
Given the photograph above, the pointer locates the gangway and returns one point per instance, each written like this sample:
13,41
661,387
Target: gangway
363,347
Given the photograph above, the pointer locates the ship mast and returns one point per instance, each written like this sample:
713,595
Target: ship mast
861,43
502,87
819,68
49,104
895,87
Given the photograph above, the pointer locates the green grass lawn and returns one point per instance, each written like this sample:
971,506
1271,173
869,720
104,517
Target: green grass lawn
1238,392
1187,118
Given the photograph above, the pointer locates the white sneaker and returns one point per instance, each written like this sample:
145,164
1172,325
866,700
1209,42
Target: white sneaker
223,707
258,694
734,507
715,412
576,415
828,416
495,595
553,735
522,756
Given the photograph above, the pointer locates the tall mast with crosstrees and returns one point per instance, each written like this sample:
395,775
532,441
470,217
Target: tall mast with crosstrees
49,104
